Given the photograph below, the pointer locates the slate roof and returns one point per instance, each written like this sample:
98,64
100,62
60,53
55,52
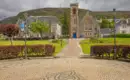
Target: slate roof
105,31
49,19
123,21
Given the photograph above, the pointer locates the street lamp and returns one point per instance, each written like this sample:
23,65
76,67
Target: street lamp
114,10
25,33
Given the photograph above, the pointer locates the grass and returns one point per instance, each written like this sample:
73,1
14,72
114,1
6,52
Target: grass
35,42
86,44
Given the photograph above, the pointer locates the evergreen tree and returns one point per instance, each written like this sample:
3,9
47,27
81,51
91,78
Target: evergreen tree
65,24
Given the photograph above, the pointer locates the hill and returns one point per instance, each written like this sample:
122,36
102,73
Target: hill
59,12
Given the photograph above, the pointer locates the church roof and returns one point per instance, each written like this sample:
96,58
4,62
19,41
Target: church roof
89,19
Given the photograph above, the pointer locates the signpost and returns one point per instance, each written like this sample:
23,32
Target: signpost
22,26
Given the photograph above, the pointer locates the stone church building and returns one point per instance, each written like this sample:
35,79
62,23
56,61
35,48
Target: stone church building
87,27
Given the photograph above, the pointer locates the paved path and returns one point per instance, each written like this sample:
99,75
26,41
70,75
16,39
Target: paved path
70,68
72,49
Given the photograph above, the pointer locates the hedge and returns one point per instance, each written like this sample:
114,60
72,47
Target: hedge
122,51
33,38
121,35
7,52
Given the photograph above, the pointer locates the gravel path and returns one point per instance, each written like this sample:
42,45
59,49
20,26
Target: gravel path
85,69
65,68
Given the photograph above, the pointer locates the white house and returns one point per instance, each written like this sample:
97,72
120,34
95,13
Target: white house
123,26
54,24
58,31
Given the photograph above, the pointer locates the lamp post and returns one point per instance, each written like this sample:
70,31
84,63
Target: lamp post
25,33
114,10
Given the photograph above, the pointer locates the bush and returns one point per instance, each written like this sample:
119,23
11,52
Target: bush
95,40
33,38
65,36
7,52
55,41
49,50
122,51
121,35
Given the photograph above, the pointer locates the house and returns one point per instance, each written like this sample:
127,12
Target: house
123,26
105,32
85,27
54,24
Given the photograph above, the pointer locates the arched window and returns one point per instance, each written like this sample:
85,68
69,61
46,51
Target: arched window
74,10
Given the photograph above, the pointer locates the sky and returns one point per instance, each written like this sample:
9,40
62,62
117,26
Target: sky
13,7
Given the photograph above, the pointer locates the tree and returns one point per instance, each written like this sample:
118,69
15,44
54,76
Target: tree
39,27
65,24
105,23
10,30
111,25
1,28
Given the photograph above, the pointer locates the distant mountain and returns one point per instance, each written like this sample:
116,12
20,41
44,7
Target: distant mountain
12,19
59,12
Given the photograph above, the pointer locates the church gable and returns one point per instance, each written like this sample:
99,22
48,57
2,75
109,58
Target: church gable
87,26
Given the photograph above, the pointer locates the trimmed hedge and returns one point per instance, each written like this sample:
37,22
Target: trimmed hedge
33,38
7,52
121,35
122,51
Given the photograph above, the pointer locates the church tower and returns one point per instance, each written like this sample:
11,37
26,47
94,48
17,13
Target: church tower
74,21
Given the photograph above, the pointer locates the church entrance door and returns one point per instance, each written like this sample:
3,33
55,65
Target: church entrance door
74,35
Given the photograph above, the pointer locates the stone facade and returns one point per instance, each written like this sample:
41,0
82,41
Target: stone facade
74,21
87,27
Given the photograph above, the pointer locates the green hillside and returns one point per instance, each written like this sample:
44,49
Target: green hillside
44,12
59,12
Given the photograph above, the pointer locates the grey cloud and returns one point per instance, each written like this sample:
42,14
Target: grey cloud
13,7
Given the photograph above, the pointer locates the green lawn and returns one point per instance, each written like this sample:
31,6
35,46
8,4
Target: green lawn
86,44
35,42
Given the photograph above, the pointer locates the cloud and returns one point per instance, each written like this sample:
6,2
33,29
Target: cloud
13,7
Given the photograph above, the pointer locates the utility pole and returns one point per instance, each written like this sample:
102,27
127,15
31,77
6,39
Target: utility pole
25,33
114,10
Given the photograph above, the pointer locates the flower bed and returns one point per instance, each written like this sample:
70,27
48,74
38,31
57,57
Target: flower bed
7,52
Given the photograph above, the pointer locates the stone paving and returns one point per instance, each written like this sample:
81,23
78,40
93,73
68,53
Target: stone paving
68,67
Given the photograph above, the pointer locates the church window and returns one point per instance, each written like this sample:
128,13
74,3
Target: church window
74,10
90,28
86,27
75,22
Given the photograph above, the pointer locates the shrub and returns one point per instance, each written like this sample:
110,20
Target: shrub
95,40
101,50
55,41
32,38
7,52
125,51
121,35
122,51
49,50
